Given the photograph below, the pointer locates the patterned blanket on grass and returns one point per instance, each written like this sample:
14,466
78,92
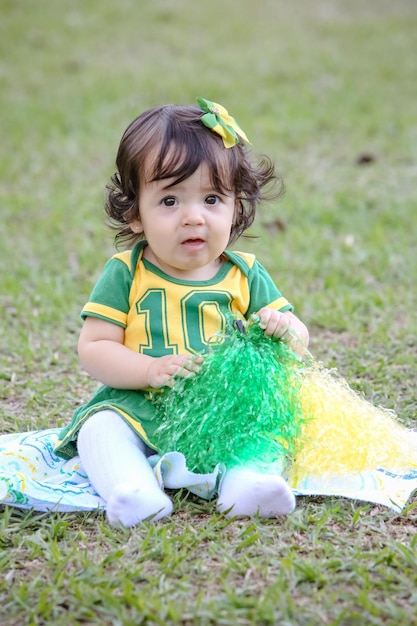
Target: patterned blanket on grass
33,477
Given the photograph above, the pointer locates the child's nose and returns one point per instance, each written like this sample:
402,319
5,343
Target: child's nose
193,214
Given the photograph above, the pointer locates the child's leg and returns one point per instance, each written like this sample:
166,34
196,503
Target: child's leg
113,457
246,493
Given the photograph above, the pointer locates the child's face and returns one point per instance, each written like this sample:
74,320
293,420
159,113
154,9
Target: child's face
187,226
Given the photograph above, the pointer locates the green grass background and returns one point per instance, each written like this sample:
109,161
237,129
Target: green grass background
327,89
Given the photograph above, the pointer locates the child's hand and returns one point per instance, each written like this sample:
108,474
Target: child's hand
273,322
285,326
161,371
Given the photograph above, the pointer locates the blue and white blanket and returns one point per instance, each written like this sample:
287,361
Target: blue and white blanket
33,477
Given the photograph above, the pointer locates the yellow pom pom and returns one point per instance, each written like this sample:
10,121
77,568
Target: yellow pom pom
343,433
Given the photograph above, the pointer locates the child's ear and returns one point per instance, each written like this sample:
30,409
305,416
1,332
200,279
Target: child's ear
136,226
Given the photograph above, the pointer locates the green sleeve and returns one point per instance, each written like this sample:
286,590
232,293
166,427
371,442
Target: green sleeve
109,299
264,292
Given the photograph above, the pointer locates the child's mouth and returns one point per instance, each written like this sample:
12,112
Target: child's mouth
193,243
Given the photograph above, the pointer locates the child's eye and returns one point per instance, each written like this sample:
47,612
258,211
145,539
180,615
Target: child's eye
168,201
212,200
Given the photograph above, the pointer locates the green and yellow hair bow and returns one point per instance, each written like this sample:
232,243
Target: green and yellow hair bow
218,120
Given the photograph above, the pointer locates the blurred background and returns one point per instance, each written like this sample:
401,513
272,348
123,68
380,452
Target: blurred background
326,88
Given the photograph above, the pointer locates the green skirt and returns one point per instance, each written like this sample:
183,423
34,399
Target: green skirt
133,406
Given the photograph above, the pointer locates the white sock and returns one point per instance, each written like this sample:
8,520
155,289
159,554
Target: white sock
130,503
114,459
248,493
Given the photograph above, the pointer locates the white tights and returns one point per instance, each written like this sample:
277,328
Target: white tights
114,458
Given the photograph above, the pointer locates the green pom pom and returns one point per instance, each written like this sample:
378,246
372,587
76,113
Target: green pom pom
242,408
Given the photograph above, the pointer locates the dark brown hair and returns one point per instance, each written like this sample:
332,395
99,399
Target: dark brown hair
181,143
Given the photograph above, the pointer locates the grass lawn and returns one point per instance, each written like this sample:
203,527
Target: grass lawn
327,88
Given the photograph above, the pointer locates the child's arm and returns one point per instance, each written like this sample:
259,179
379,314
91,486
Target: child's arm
103,355
285,326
